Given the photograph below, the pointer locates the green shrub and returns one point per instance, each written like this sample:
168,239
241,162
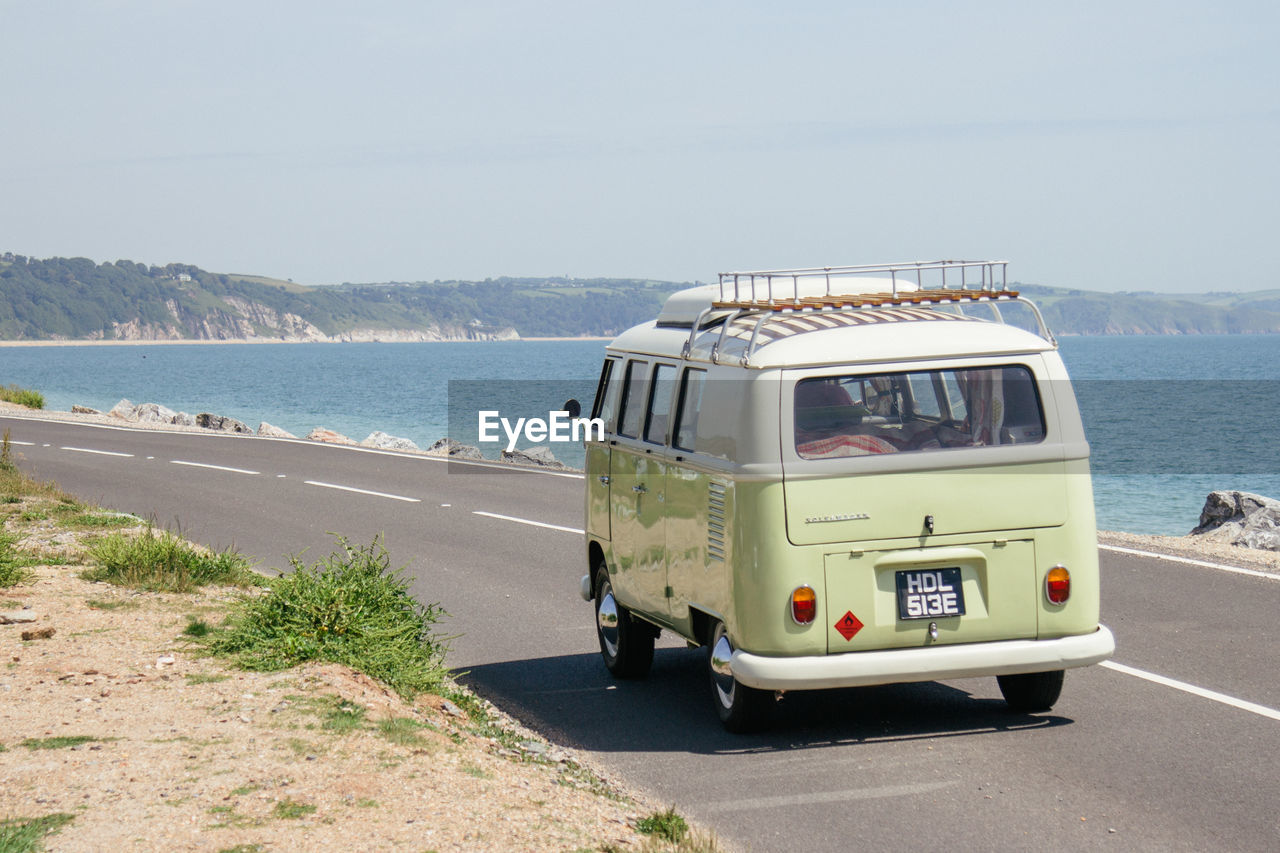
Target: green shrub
667,825
22,396
347,608
165,562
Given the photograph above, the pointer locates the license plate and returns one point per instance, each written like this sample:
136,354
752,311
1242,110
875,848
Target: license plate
929,593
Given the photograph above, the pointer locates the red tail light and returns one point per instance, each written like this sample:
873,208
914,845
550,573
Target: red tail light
804,605
1057,585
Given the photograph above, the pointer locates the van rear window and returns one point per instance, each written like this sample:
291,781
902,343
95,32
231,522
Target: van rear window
924,410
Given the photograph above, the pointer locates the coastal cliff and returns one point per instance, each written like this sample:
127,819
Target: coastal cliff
74,299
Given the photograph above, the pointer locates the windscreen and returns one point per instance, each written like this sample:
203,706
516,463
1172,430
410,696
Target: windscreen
927,410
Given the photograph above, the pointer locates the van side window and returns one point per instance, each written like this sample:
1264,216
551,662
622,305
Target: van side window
690,405
632,406
919,411
664,379
605,397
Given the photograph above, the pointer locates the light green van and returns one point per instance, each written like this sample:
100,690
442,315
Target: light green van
840,477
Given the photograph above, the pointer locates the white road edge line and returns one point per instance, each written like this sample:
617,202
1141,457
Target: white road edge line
24,443
362,491
527,521
1190,562
212,467
1252,707
98,452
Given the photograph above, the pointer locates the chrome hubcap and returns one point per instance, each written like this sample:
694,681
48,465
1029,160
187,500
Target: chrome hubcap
721,672
607,622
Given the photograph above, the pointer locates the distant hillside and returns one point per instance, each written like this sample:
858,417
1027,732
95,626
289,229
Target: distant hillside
1085,312
76,299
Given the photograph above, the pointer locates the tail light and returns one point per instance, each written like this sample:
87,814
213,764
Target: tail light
1057,585
804,605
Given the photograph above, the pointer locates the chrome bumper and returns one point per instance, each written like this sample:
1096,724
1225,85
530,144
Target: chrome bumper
929,663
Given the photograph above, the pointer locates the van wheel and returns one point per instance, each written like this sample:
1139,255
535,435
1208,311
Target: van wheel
1031,691
741,708
626,643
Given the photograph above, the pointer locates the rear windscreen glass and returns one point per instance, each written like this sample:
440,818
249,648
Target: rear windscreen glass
925,410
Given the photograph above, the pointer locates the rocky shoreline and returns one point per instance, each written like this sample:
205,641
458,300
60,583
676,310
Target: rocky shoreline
157,416
1192,546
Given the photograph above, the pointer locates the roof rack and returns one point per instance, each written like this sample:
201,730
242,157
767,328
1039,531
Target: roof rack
760,283
765,295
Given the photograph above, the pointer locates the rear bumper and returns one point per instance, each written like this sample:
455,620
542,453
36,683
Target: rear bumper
930,663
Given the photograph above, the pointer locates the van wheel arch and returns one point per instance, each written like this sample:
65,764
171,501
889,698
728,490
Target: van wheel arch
703,623
595,559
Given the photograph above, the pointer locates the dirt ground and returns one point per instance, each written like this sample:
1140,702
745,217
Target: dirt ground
109,714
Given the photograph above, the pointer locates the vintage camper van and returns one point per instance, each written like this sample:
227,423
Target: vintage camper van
848,476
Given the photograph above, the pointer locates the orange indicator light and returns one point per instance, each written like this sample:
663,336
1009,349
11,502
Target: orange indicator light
1057,585
804,605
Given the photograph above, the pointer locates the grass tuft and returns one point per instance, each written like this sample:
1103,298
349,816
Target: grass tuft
23,834
13,564
196,628
59,742
165,562
344,719
289,809
403,731
348,608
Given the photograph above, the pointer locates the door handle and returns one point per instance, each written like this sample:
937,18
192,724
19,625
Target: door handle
640,489
604,479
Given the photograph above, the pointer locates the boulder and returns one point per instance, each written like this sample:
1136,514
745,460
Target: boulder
454,449
328,436
221,424
1240,518
539,456
382,441
267,429
83,410
183,419
154,413
124,410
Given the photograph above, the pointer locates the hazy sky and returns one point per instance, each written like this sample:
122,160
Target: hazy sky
1109,146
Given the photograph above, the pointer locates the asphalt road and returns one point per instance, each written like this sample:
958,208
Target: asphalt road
1122,762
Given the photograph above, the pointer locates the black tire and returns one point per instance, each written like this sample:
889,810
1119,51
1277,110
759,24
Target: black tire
626,643
741,708
1032,691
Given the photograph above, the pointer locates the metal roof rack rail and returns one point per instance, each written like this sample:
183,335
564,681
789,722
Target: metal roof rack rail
765,293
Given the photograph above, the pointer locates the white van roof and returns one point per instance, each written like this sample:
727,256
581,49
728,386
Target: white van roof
841,315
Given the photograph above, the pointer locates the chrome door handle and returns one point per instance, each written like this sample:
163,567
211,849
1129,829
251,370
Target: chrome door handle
604,479
640,489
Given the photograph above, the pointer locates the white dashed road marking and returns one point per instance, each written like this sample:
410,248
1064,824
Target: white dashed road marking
362,491
99,452
529,522
212,467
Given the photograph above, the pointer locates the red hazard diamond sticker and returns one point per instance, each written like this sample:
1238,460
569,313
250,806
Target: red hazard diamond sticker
848,625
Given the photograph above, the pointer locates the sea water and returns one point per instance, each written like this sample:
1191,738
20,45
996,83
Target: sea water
1168,418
